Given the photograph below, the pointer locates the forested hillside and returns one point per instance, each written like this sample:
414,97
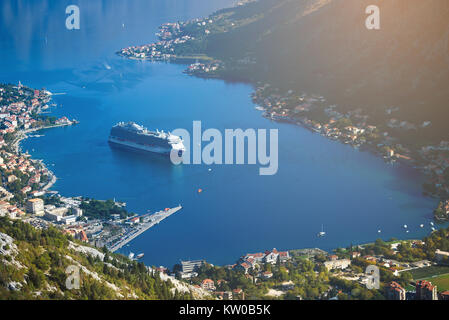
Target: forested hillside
33,265
323,46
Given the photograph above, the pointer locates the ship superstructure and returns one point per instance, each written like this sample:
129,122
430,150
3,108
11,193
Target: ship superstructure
135,136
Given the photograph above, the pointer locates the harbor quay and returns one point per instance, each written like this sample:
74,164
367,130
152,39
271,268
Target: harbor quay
142,223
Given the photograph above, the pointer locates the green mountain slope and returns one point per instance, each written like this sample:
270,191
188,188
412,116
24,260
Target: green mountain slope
33,265
323,46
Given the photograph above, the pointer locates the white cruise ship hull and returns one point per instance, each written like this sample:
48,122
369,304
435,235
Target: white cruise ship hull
136,146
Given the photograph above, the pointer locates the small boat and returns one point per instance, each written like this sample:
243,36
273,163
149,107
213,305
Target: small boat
322,233
131,255
407,231
140,255
433,229
200,190
431,223
421,225
405,226
379,231
209,169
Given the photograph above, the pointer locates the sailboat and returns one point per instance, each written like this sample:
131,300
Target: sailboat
322,233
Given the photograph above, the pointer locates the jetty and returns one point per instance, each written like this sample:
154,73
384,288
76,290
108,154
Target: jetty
147,221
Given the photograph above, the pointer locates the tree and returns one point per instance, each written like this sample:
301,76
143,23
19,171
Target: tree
43,262
36,277
406,276
343,123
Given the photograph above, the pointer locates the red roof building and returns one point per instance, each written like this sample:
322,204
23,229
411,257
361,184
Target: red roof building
396,292
425,290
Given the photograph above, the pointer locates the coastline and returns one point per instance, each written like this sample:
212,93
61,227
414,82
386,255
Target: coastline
240,236
254,84
374,137
23,134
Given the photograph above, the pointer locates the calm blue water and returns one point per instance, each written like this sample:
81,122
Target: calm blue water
319,181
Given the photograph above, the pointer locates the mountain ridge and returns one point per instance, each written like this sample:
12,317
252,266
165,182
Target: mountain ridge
34,262
325,47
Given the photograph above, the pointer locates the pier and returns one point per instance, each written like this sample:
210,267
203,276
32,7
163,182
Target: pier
148,221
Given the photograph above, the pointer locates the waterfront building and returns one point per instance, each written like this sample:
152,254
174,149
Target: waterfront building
256,256
252,260
425,290
284,256
243,266
396,292
35,206
190,266
273,256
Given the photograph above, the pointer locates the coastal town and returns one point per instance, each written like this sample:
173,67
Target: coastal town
408,270
394,269
354,128
163,50
338,275
22,177
178,42
25,191
26,181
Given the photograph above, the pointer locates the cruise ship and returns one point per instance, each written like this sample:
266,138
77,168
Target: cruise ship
137,137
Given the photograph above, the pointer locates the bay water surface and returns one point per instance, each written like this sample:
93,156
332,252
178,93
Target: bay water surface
319,182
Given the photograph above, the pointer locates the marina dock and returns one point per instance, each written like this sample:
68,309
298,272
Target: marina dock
147,221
